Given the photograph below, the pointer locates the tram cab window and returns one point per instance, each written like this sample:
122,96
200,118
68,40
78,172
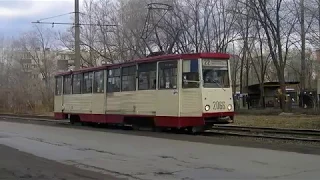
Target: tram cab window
128,78
87,83
190,74
67,84
114,81
215,73
147,75
168,75
76,83
98,82
58,90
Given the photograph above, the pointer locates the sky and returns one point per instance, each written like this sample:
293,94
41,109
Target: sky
16,15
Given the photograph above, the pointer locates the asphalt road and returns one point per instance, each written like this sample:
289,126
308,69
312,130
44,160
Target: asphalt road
144,158
272,144
16,165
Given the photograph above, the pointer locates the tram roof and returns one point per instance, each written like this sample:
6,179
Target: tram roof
151,59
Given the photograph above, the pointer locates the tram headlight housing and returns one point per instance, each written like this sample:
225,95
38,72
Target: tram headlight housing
229,107
207,108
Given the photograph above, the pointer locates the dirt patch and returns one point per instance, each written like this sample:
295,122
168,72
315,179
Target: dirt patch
279,121
15,164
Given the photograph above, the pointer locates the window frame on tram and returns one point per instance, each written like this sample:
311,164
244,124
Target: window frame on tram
147,71
172,67
128,75
67,85
59,86
77,80
213,63
98,81
190,72
86,87
114,74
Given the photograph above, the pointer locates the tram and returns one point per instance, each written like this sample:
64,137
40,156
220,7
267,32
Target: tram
180,91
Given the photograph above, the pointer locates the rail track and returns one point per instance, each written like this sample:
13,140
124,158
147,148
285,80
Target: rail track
266,132
227,130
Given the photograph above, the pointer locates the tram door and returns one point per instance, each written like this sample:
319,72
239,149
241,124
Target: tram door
168,90
58,99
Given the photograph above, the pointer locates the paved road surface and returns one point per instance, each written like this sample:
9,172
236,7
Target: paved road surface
138,157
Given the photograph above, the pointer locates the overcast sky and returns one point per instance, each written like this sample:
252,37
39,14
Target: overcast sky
16,15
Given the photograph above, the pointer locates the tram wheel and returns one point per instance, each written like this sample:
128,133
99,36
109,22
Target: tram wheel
84,123
135,127
157,129
195,130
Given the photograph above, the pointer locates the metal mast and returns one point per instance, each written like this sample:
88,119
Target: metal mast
77,35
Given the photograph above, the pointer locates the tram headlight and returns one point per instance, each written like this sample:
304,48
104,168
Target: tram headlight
207,108
229,107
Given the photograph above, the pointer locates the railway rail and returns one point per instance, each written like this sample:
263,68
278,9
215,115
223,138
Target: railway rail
266,132
308,135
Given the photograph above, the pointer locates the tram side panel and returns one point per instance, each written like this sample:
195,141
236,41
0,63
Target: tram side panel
191,103
146,102
98,108
78,103
58,113
131,104
191,107
128,102
113,108
167,108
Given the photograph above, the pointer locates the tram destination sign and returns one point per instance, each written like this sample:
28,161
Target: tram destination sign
214,62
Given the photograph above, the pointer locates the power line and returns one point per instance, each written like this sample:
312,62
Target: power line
77,25
55,16
80,24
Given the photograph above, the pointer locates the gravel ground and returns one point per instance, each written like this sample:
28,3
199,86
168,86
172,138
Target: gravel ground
16,165
278,121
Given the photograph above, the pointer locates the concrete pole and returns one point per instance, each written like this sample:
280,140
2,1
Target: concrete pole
303,50
77,35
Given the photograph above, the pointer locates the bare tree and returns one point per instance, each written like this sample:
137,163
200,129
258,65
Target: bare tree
260,61
278,25
39,46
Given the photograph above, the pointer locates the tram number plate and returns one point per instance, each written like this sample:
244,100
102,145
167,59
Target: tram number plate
219,105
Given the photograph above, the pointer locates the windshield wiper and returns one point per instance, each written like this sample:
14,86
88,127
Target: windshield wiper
219,85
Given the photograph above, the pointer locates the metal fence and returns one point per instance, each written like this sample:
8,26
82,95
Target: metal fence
256,102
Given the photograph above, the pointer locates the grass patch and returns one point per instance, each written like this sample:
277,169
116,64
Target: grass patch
279,121
277,111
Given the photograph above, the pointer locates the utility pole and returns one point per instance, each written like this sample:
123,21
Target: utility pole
77,35
76,24
303,51
303,47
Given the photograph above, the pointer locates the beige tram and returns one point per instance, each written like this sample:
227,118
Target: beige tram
183,91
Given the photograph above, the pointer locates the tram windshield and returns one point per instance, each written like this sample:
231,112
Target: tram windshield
215,73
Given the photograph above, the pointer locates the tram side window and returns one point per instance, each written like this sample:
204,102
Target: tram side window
76,83
67,84
147,76
98,83
128,78
168,75
190,74
58,85
114,81
87,83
